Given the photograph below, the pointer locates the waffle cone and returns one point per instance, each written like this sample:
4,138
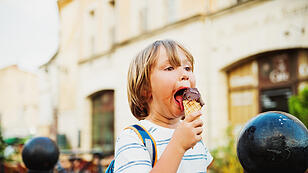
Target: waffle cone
191,106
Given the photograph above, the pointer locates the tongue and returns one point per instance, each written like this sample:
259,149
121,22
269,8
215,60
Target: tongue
179,99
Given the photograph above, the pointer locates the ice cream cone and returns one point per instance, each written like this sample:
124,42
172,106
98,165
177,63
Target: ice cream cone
191,106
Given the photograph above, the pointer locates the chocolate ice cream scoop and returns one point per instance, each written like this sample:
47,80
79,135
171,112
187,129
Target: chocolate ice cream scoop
191,94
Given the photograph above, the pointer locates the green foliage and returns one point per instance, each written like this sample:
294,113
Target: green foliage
225,158
14,147
2,146
298,106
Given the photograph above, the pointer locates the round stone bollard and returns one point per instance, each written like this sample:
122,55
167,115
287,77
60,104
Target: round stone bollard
40,154
273,142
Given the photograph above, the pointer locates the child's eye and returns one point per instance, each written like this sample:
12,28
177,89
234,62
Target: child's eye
187,68
169,68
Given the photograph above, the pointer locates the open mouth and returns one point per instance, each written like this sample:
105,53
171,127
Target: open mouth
178,96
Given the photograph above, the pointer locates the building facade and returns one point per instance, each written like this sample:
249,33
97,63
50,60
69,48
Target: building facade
250,57
19,103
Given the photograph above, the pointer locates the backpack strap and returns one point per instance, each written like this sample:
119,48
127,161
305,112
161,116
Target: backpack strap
147,140
110,168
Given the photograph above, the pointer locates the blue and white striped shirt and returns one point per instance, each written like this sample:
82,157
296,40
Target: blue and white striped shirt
132,156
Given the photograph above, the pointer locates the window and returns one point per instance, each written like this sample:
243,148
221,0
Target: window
103,121
243,93
265,82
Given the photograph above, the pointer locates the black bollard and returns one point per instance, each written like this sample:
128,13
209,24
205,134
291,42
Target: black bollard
273,142
40,154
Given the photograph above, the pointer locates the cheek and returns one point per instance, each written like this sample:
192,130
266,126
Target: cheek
160,85
162,80
193,81
153,82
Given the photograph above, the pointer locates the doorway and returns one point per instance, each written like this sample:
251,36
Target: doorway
275,99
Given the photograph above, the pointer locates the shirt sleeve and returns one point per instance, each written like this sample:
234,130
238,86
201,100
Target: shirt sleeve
209,157
130,154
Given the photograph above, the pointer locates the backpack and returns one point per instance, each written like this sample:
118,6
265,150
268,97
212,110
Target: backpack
147,140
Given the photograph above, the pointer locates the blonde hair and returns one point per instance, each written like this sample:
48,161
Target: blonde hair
139,71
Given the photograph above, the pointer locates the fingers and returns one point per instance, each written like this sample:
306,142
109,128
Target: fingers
197,123
198,131
198,138
192,124
192,116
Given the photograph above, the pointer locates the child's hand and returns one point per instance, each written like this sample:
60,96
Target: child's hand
188,133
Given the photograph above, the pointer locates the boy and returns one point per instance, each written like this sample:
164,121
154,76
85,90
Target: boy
155,77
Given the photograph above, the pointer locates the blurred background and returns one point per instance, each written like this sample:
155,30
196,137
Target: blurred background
64,65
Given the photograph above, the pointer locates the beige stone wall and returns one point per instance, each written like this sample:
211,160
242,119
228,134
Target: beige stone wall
237,34
188,9
64,71
225,34
123,17
19,102
134,17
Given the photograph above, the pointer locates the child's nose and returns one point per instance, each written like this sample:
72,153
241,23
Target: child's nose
184,75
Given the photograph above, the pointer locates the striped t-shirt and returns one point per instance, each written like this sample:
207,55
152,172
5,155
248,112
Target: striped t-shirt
132,156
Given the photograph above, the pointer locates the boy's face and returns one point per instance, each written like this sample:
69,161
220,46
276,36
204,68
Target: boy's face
165,81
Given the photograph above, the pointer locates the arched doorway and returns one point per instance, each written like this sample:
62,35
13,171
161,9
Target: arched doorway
264,82
103,121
